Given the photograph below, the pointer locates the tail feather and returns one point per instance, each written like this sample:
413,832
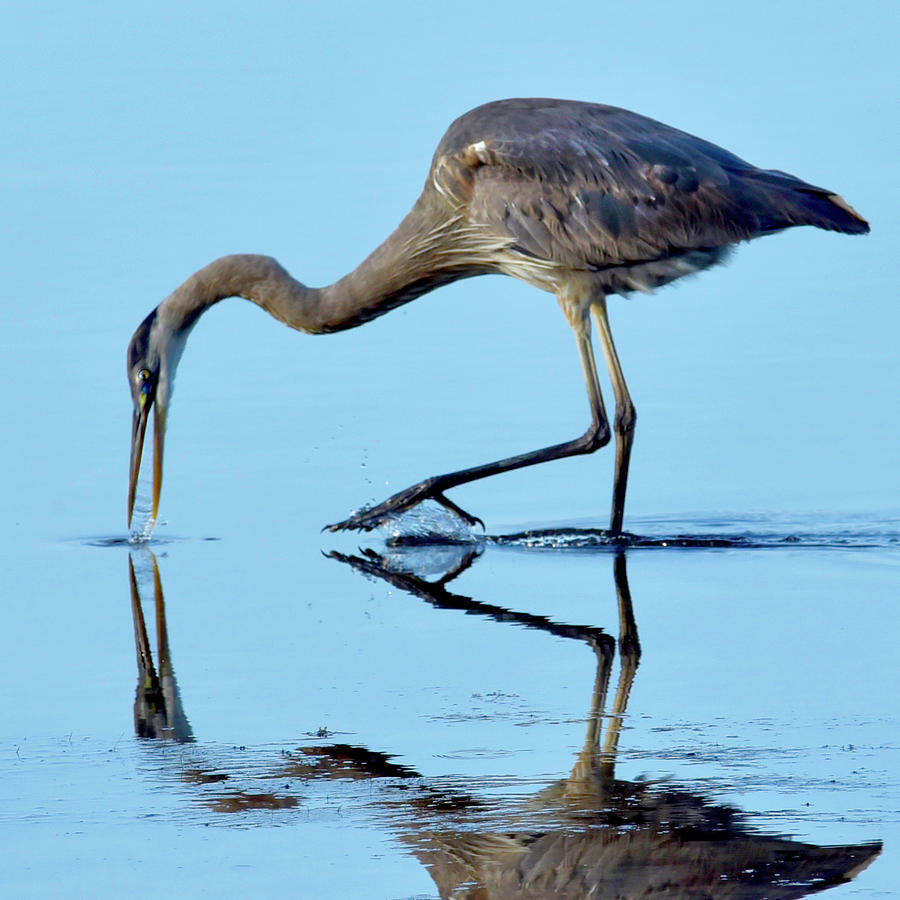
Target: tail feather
794,202
851,221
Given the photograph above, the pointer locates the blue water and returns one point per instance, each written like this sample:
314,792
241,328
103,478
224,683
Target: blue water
144,141
462,679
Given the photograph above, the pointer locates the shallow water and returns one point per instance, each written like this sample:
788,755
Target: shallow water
264,708
344,723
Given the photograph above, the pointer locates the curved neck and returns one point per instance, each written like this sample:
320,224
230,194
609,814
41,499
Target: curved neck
423,253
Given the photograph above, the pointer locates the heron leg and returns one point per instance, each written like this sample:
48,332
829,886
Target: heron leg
597,435
625,417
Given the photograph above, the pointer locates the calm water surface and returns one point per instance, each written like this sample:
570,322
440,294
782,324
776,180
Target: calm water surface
395,722
265,709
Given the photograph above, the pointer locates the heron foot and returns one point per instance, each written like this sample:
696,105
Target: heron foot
367,519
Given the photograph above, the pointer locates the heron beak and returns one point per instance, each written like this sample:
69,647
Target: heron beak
159,437
138,432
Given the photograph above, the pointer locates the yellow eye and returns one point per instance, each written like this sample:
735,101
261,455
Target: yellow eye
144,375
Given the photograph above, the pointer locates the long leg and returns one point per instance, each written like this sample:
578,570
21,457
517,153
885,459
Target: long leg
625,417
597,435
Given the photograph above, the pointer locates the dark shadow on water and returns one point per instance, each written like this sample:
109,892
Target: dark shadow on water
589,834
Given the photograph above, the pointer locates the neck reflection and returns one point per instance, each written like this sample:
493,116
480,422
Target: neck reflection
588,834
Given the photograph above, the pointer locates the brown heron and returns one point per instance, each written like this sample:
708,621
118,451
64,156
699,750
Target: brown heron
578,199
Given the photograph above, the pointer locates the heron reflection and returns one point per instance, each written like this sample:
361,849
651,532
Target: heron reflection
158,712
589,834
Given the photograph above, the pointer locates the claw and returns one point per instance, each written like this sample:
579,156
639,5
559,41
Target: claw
468,518
361,521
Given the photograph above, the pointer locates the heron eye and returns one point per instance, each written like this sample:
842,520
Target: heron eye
144,375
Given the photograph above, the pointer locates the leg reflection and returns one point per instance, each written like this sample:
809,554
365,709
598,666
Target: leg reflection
587,835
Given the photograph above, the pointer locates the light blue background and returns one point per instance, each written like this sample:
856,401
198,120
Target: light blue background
140,141
143,142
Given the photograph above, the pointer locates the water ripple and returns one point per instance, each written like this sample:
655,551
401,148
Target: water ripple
719,532
600,539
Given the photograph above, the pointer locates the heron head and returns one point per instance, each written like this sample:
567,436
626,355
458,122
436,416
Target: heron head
149,366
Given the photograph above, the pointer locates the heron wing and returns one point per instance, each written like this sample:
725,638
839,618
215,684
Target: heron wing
591,186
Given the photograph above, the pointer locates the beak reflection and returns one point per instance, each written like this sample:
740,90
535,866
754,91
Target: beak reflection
158,712
591,833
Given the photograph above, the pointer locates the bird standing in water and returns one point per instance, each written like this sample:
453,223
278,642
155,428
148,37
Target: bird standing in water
578,199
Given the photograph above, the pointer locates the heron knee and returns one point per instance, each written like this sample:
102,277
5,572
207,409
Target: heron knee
597,436
626,418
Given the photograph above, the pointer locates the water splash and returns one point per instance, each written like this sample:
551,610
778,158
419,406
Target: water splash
142,535
428,523
142,520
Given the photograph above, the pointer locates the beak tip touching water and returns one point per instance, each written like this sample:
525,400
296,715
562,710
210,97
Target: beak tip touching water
138,433
159,433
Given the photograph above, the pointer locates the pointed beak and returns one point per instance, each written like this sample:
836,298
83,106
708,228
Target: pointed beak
138,432
159,437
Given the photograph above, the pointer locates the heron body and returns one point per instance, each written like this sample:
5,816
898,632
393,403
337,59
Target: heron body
578,199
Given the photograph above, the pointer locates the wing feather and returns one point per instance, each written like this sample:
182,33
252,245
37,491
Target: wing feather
590,186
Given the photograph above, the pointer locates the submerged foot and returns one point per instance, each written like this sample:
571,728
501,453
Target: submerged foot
375,516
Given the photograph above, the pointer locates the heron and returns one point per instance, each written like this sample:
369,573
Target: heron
579,199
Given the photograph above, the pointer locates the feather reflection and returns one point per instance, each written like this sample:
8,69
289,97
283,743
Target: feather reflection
590,834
